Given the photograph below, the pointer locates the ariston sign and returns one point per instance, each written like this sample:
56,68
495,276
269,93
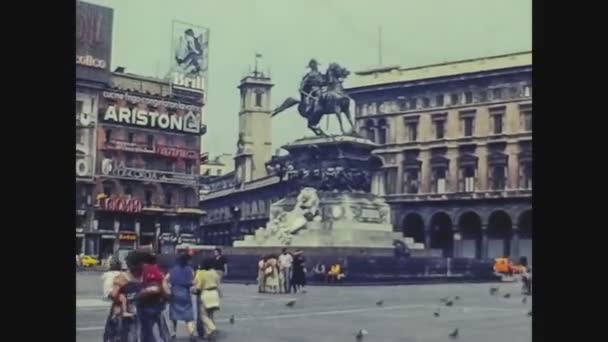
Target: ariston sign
188,123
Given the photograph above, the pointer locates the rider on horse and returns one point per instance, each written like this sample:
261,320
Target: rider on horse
312,86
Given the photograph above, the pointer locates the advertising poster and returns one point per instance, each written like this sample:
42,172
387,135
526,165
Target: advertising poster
93,41
189,57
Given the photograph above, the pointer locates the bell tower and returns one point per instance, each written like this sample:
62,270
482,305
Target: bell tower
254,147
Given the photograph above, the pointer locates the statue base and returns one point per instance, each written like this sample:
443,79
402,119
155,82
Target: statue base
334,207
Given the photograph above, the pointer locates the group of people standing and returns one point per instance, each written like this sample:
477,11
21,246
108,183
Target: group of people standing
140,295
282,274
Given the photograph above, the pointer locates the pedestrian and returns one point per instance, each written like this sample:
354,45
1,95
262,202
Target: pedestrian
207,281
285,264
130,329
152,300
319,272
271,272
200,329
181,279
111,278
220,264
526,277
298,278
261,274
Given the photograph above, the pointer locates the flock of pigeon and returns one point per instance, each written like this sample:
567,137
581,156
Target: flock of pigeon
446,301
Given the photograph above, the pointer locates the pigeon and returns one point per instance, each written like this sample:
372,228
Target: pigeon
380,303
360,334
524,300
530,313
493,290
436,313
449,303
232,319
456,298
304,291
291,303
454,333
508,295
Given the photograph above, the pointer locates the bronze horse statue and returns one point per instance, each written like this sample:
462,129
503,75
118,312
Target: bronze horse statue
330,99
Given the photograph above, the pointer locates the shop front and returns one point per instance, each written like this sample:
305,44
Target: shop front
80,242
167,243
127,240
106,243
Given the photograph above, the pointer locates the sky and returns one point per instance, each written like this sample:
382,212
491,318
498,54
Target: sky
288,33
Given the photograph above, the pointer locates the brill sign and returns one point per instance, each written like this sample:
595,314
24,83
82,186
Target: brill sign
188,123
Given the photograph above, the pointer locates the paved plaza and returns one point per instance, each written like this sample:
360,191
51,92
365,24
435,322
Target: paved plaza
326,313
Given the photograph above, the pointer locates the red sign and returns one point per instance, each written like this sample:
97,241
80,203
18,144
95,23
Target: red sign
176,152
128,146
121,205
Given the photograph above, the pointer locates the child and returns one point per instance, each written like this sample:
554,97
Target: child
115,277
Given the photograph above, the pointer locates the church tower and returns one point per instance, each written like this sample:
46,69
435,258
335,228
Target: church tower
254,146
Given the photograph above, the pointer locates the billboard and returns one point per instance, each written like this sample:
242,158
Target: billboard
189,57
93,41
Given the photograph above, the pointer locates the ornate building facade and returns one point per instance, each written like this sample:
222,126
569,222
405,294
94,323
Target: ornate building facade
456,146
147,166
93,52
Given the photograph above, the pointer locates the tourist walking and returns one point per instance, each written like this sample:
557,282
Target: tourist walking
298,278
271,273
143,305
180,279
261,274
152,300
207,281
220,264
285,264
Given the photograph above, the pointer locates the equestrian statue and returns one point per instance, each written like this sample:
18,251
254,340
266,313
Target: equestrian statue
321,94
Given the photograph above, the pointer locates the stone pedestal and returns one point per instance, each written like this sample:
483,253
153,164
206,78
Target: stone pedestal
332,205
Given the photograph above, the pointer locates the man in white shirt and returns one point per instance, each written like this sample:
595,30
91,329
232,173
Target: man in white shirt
285,261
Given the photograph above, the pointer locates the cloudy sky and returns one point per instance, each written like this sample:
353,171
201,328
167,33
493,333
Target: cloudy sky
290,32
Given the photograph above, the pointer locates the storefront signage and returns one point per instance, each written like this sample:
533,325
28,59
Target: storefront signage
93,41
187,238
151,102
108,236
127,237
166,237
124,205
110,168
176,152
188,123
128,146
91,61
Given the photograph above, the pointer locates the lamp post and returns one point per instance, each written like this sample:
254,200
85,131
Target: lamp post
236,215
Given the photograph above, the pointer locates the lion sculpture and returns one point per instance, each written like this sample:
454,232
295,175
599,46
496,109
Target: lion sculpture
286,224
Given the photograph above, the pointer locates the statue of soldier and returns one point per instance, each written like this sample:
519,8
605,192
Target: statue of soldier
312,86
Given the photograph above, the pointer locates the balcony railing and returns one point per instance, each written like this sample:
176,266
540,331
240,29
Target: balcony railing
462,195
159,149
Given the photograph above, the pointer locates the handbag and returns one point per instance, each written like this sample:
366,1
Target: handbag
268,270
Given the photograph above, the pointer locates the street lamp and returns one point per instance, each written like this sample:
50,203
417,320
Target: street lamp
236,215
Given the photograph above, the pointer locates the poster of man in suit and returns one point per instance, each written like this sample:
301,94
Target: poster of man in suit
190,49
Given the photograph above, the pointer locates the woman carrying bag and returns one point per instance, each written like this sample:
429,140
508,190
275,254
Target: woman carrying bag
207,282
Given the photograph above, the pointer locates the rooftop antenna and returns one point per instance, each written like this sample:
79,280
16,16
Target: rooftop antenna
380,45
255,71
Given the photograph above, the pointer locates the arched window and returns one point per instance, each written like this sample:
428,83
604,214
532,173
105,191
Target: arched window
258,99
